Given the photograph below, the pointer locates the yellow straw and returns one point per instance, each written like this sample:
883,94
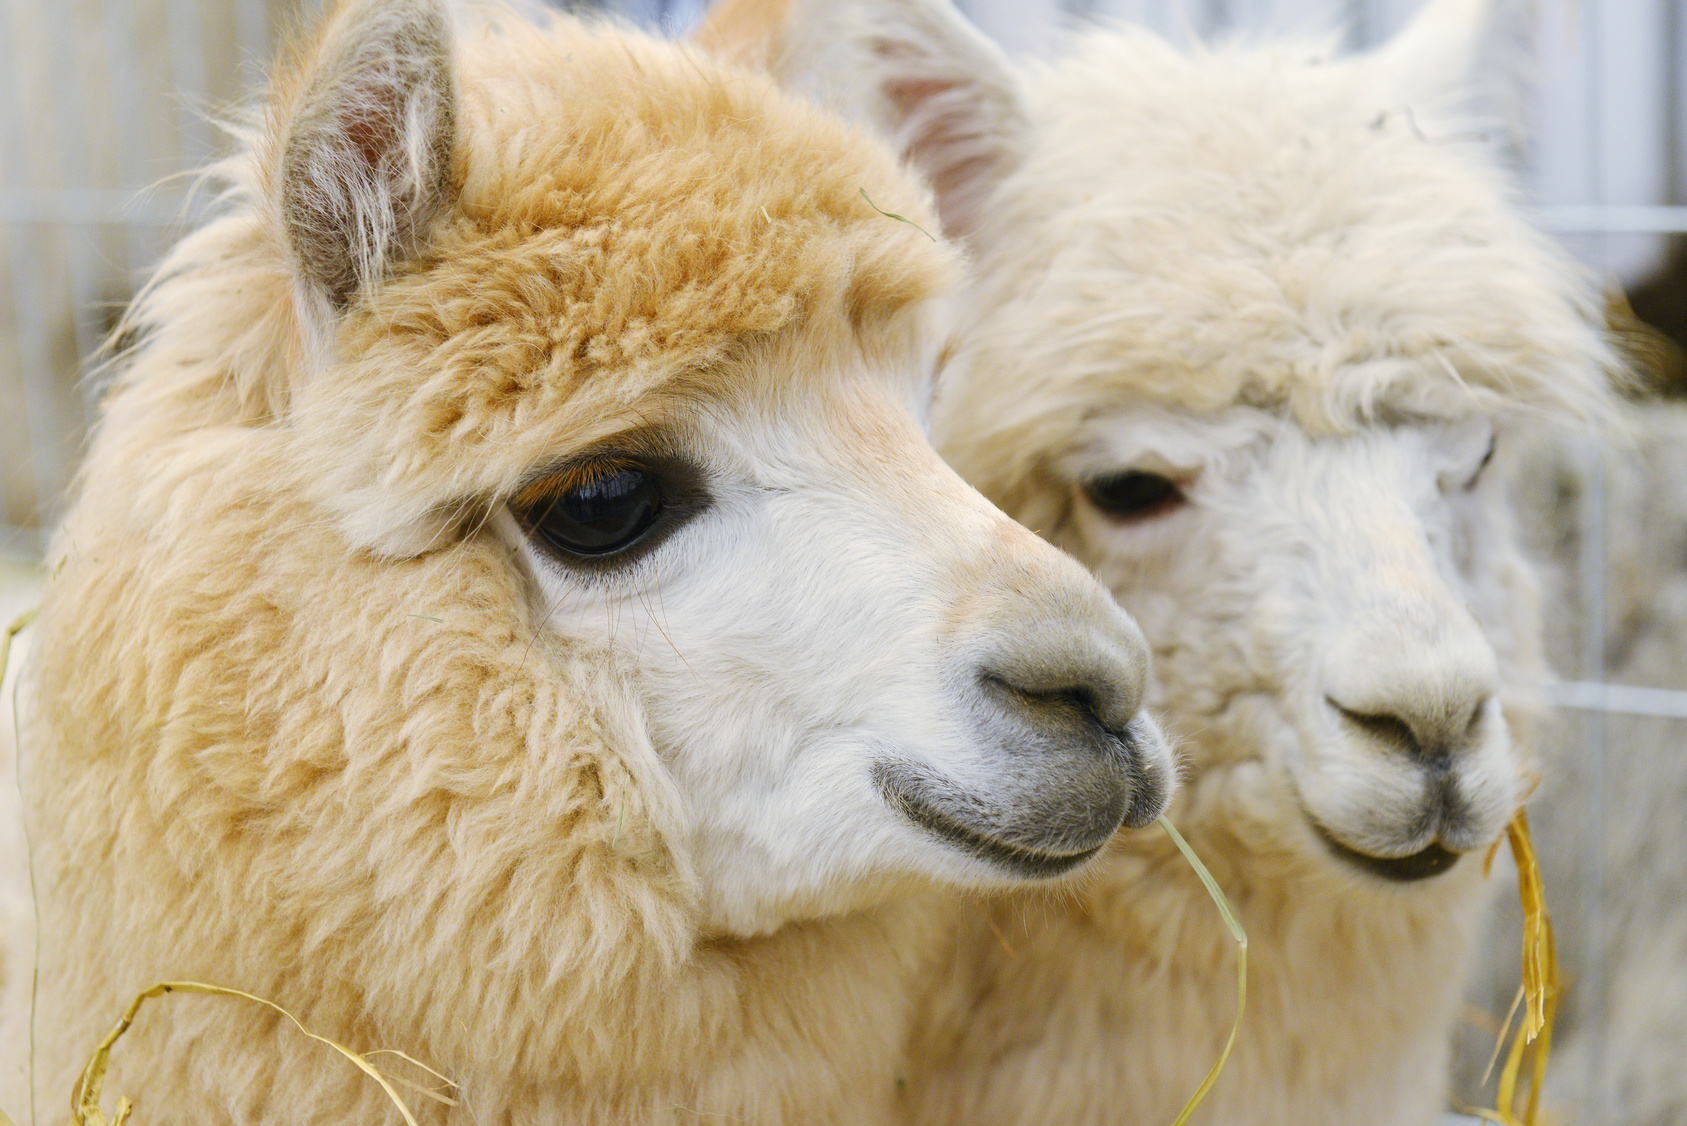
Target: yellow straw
1241,938
18,626
1540,987
85,1097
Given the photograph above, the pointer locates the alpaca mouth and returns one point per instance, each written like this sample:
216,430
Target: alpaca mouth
907,791
1429,861
1017,858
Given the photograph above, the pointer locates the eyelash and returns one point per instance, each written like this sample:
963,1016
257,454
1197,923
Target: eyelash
1493,444
1134,495
608,511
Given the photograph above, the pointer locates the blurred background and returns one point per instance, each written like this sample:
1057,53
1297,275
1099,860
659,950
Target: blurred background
105,105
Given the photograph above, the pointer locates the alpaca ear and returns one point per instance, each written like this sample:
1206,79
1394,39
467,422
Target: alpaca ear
365,144
1469,60
914,71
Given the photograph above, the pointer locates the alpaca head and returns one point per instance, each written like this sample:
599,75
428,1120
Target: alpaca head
1250,326
625,323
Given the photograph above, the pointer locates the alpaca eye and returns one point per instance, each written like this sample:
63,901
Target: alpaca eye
595,511
1133,494
1462,476
1470,483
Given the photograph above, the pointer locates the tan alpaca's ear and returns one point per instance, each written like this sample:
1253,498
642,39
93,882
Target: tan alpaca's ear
366,140
914,71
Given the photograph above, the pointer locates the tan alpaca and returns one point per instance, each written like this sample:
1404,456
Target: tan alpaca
510,612
1248,326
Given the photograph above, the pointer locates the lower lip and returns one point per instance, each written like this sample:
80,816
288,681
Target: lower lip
1026,863
1420,865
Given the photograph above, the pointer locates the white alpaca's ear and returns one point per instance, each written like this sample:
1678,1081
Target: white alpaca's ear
366,146
1467,58
915,71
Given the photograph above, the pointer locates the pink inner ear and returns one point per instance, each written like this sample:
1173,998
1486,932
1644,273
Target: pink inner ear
367,159
371,131
949,142
908,95
955,111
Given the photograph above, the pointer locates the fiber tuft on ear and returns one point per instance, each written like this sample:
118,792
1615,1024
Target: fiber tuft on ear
1473,58
366,151
914,71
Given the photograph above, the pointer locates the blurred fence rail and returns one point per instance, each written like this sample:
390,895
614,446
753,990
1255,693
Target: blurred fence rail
102,102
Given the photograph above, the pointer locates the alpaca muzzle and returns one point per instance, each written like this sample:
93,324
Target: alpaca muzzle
1057,789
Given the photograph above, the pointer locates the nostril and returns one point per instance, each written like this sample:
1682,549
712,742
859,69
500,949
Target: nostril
1433,737
1078,700
1382,727
1474,723
1064,653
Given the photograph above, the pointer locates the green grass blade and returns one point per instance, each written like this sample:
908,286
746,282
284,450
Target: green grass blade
1241,938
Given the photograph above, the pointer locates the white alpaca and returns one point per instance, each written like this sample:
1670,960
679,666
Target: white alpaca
1249,325
1617,883
511,612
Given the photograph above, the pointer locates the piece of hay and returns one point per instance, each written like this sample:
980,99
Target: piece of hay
12,631
18,626
1241,938
894,215
85,1096
1539,992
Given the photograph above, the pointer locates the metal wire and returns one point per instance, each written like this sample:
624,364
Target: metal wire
39,220
1612,218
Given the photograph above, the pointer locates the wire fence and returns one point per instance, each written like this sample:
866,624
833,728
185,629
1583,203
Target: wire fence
103,101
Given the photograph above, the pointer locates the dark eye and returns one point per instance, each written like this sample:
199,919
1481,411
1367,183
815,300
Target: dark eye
592,510
1493,444
1133,494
